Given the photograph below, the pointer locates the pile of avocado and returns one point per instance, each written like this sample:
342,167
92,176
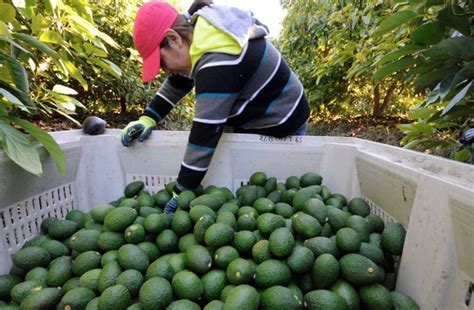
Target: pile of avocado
271,245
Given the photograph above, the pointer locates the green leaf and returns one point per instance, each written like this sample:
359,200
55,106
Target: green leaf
408,137
92,50
23,97
462,155
414,143
64,90
50,5
446,82
394,66
66,115
108,66
405,127
457,98
13,43
36,43
8,12
39,24
461,48
61,66
466,73
456,21
107,39
92,30
457,112
12,99
114,67
433,96
75,73
5,75
402,51
430,3
29,7
19,149
51,36
68,102
395,20
421,113
81,8
18,73
421,68
47,141
4,30
433,77
428,34
424,128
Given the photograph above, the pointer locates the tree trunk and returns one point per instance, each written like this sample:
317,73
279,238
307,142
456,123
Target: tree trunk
123,105
388,96
376,110
380,107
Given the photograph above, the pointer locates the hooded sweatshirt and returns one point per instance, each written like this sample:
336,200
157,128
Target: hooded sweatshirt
240,81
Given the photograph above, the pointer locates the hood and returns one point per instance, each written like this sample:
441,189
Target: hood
238,23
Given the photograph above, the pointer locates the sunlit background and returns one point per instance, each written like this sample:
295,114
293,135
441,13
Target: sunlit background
268,12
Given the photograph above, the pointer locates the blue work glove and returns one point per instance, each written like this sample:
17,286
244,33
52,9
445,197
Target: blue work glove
140,129
172,205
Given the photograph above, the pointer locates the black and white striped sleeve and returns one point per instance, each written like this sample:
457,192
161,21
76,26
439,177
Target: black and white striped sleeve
170,93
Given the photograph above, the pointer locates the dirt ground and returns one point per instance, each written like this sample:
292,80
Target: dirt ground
380,130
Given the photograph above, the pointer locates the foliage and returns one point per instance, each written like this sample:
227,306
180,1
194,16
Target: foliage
438,59
44,50
330,46
111,91
127,92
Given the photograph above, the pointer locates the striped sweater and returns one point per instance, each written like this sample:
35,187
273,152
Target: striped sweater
253,92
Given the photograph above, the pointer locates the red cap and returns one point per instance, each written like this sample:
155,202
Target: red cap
151,23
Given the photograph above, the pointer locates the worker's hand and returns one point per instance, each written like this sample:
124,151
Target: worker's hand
140,129
172,205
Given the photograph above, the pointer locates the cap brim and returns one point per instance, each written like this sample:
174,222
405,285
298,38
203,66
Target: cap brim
151,66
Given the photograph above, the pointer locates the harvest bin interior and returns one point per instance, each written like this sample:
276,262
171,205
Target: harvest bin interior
432,197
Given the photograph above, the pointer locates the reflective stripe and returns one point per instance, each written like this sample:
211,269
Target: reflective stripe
226,62
285,118
258,90
209,121
166,99
194,168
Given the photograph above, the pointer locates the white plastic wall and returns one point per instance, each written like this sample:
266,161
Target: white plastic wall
432,197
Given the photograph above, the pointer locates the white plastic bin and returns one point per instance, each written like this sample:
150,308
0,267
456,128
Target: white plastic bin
432,197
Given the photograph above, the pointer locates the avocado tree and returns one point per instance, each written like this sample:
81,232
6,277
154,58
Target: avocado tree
127,92
44,50
438,60
331,47
111,91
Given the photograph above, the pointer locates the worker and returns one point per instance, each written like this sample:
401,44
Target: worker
240,79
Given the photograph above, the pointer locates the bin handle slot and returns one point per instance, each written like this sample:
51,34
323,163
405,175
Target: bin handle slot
470,289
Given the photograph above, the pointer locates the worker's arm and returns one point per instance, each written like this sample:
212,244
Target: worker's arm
170,93
216,92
